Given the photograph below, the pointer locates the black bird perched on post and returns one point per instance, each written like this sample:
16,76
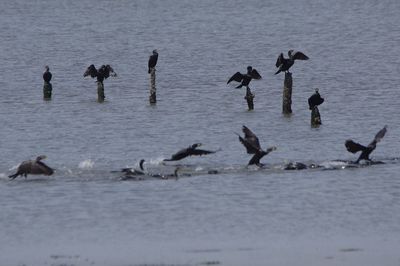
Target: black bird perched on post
252,145
285,63
102,73
153,60
245,79
189,151
355,147
47,74
315,100
34,167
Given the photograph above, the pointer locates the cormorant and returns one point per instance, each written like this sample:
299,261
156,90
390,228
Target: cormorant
252,145
153,60
102,73
132,171
285,63
189,151
34,167
315,100
245,79
355,147
47,74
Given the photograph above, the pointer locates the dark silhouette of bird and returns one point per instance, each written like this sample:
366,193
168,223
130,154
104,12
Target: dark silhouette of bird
133,171
245,79
189,151
153,60
102,73
33,167
47,74
283,64
315,100
355,147
252,145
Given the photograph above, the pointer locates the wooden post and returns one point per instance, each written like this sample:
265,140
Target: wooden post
315,117
47,89
287,94
153,97
249,98
100,92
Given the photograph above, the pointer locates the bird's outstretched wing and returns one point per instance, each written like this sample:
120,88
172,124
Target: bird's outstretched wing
279,61
251,137
255,74
91,70
379,136
299,56
111,71
236,77
200,152
353,147
249,146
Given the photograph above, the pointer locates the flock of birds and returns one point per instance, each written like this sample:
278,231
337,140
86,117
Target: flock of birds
249,140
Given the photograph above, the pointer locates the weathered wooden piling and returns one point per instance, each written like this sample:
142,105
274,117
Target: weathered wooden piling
100,92
153,96
47,89
249,98
315,117
287,94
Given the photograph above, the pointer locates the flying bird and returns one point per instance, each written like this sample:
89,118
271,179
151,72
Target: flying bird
355,147
153,60
245,79
102,73
283,64
315,100
252,145
47,75
189,151
34,167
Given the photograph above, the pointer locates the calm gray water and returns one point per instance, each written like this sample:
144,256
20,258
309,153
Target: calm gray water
85,215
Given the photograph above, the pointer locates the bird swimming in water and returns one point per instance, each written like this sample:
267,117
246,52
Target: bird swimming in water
132,171
47,74
102,73
153,60
189,151
283,64
355,147
33,167
245,79
252,145
315,100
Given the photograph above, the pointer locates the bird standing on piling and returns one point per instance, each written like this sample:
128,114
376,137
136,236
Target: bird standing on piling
102,73
283,64
153,60
245,79
47,87
315,99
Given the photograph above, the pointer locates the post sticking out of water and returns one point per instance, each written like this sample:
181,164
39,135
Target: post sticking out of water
47,89
249,98
315,117
153,97
287,94
100,92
